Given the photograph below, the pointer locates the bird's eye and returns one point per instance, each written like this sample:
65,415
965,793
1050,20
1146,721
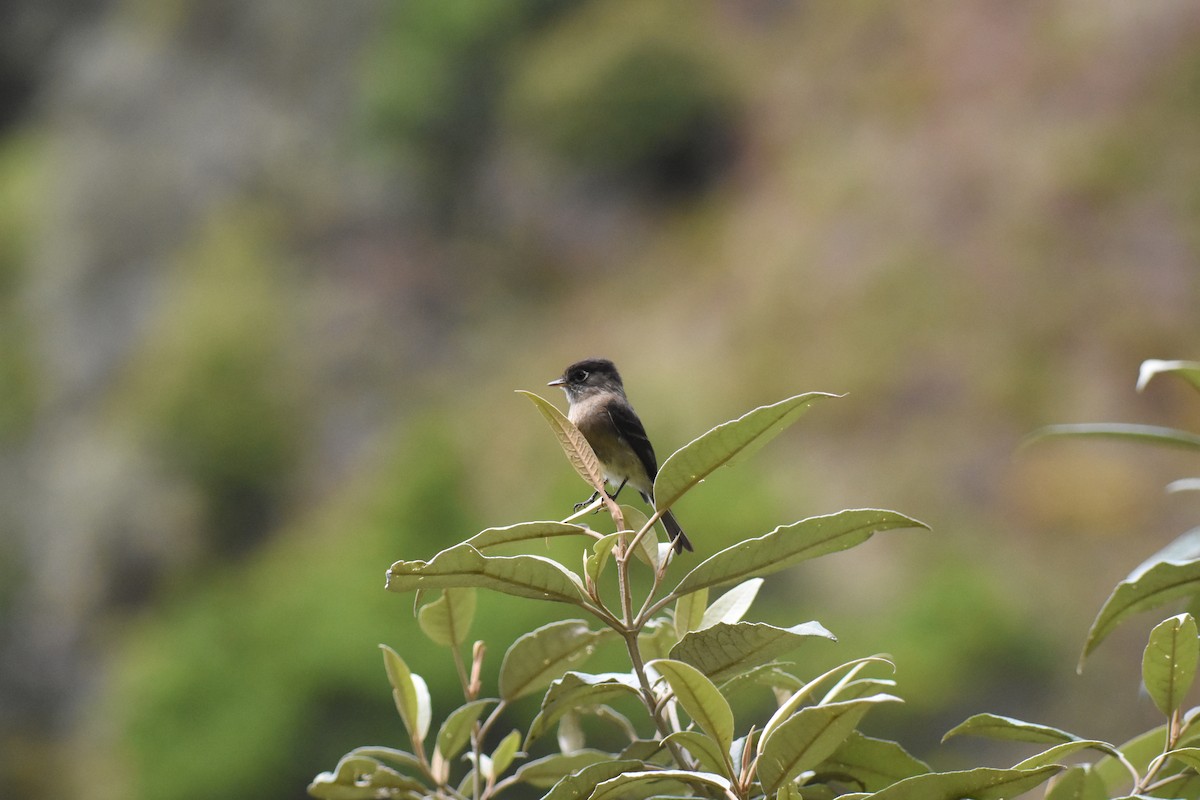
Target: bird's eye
579,376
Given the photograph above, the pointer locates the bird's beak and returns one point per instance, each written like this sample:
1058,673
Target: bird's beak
556,382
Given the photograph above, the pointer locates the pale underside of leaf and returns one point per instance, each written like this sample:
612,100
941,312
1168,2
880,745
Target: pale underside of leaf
1187,370
810,736
702,701
984,783
572,441
539,656
994,726
464,566
724,650
525,531
576,691
447,620
657,782
1155,585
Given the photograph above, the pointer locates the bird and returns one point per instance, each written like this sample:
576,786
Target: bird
598,407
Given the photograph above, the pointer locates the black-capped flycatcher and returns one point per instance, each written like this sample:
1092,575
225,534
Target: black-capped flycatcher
599,408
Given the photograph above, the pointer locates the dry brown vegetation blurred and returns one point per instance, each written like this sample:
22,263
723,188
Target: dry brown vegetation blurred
270,271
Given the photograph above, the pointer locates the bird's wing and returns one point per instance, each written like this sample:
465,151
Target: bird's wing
631,430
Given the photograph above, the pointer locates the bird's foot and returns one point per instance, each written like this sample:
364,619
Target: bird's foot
587,502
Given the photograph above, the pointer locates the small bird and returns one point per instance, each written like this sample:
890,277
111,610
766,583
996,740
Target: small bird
599,408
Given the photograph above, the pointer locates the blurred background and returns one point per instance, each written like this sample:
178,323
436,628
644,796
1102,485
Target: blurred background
271,271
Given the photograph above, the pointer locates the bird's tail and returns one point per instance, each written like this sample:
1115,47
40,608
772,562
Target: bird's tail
678,538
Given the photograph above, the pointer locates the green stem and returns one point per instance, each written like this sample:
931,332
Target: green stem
461,667
1174,729
479,733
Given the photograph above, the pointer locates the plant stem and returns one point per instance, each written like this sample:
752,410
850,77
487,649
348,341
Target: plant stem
461,667
477,736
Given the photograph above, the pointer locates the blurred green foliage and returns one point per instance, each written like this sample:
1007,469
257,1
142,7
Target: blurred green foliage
215,389
22,162
262,670
966,227
432,79
630,91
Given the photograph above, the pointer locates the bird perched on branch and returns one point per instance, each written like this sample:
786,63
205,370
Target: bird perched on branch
600,410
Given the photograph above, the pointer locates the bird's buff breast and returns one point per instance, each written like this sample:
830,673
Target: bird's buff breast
616,458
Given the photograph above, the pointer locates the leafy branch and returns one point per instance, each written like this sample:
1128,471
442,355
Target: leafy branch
682,661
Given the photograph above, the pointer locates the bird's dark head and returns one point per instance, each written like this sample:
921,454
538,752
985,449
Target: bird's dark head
587,377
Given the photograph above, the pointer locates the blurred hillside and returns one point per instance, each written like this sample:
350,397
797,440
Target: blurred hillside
270,271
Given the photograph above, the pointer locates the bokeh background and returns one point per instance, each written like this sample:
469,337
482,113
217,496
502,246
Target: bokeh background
271,271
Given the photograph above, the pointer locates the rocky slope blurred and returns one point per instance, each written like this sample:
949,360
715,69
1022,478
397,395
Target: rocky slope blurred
269,271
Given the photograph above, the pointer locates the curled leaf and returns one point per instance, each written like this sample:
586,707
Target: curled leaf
573,443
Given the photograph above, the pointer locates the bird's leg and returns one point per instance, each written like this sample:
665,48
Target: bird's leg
588,502
596,494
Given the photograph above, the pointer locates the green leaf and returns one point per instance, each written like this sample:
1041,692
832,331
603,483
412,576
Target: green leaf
617,720
1181,550
738,438
810,736
389,754
526,531
1077,783
770,675
1180,785
410,693
724,650
573,443
1146,434
1188,756
851,690
983,783
997,727
790,544
1138,751
1150,586
699,698
359,778
543,773
580,785
873,763
576,691
570,732
647,550
656,783
505,752
689,610
464,566
1187,784
646,750
447,620
602,549
540,656
733,605
1058,753
456,729
801,695
1188,370
703,748
790,791
1169,661
656,639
